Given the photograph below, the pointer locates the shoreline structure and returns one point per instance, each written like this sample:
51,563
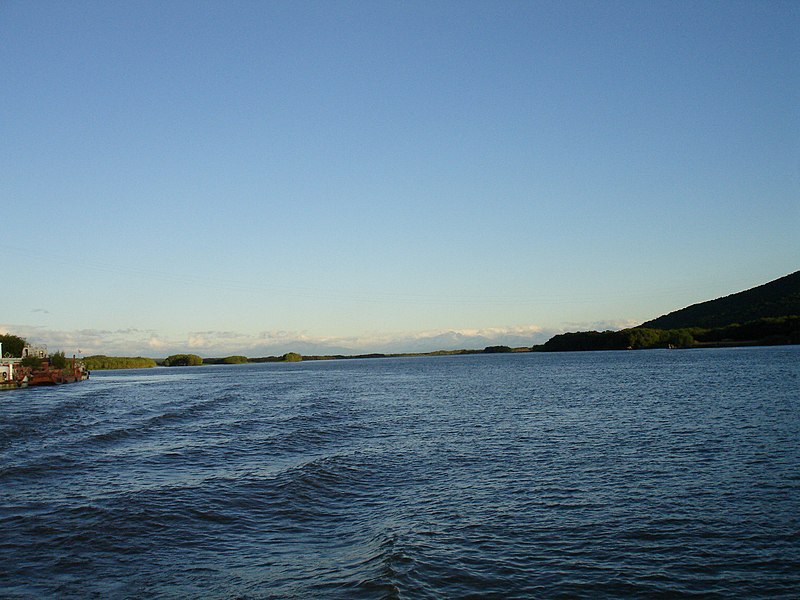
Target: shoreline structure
37,368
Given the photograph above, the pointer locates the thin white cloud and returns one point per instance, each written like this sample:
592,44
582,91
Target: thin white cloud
118,342
136,342
156,343
613,325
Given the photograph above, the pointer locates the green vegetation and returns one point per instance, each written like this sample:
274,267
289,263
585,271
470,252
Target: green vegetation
99,362
12,345
183,360
766,331
234,360
33,362
58,360
228,360
633,339
763,315
779,298
292,357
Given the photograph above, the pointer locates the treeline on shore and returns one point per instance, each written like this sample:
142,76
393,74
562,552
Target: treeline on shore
192,360
183,360
296,357
765,331
99,362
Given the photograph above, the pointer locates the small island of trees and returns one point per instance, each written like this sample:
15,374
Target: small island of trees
234,360
182,360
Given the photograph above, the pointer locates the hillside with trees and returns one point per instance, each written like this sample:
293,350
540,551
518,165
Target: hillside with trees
779,298
765,315
765,332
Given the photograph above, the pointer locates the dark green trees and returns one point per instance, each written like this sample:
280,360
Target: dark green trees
635,338
34,362
99,362
58,360
234,360
12,345
183,360
497,349
776,299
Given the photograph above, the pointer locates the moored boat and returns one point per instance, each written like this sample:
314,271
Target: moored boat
46,375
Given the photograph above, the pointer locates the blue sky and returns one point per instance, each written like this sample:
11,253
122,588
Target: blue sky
261,177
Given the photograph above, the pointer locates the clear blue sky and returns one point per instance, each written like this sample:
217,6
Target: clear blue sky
270,176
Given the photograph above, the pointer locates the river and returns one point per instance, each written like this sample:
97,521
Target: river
604,474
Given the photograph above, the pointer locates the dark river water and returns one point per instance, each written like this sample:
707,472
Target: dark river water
606,474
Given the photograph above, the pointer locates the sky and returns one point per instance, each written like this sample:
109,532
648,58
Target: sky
263,177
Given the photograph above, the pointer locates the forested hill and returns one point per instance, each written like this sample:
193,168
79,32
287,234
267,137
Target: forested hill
774,299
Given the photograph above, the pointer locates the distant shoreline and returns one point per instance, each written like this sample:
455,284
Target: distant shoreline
135,362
